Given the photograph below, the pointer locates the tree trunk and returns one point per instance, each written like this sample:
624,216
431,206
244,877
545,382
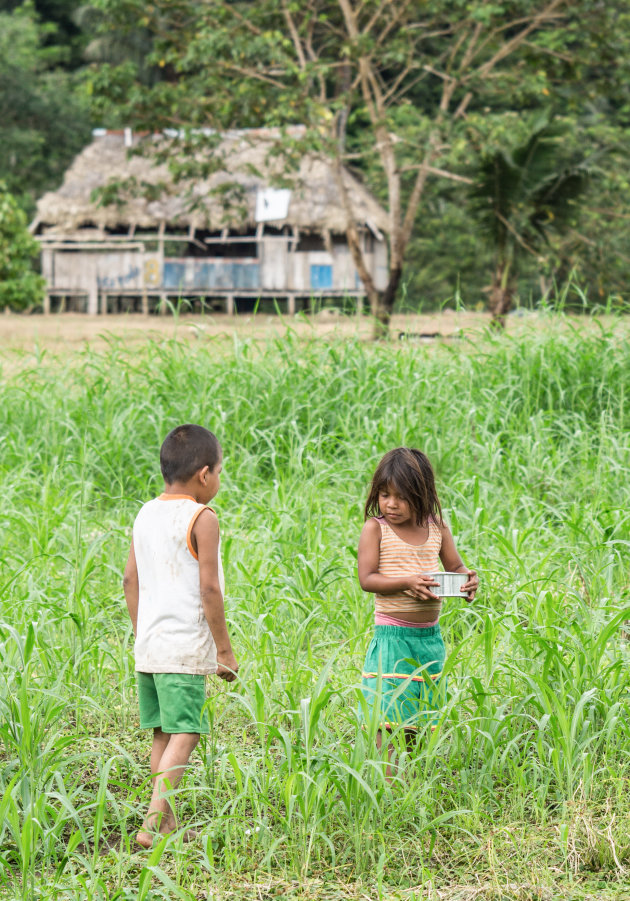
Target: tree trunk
383,304
501,295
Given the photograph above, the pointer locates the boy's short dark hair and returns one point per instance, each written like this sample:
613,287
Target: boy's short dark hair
186,450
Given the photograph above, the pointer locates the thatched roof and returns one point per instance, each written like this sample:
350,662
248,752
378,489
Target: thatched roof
314,204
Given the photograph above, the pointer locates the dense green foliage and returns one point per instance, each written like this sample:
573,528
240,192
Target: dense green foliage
113,63
43,117
20,286
523,194
391,89
522,792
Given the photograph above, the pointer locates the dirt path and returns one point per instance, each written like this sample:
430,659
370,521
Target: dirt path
73,329
61,332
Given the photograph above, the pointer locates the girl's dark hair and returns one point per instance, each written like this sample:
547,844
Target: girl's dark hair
186,450
408,471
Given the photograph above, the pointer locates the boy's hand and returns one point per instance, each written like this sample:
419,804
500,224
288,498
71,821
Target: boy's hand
227,666
419,585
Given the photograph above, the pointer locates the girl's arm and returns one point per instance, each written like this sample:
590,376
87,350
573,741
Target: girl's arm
453,563
205,536
371,580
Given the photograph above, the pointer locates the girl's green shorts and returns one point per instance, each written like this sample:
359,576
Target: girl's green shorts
402,677
173,702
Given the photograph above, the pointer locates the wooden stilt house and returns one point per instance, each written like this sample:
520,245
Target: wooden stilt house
231,240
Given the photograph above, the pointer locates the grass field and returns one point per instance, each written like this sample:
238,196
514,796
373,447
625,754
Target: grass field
524,790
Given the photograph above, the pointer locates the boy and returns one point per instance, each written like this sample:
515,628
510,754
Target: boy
174,589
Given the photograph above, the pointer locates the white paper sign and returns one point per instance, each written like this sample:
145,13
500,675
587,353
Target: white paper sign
272,204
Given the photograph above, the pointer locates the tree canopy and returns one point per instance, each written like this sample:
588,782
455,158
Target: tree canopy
390,89
44,118
415,97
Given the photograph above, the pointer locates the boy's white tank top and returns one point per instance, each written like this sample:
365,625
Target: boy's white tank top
173,635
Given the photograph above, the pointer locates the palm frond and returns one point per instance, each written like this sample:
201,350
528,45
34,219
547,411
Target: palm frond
525,191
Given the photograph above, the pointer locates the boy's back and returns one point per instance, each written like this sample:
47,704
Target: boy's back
174,590
173,634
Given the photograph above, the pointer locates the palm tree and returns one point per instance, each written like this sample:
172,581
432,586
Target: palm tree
520,196
113,43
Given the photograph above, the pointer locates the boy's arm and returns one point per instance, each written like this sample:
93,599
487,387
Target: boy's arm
371,580
131,588
205,535
452,562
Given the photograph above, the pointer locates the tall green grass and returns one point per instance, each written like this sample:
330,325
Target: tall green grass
524,788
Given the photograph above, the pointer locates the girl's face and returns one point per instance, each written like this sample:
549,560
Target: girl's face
396,510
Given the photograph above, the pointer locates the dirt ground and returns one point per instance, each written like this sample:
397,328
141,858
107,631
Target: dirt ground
63,331
74,329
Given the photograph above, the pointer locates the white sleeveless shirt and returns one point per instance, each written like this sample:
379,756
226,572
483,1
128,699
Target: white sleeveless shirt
173,635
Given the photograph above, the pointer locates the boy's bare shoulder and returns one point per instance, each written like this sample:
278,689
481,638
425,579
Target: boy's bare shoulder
206,528
207,519
205,533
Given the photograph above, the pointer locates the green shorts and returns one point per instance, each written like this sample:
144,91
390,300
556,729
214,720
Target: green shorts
402,676
173,702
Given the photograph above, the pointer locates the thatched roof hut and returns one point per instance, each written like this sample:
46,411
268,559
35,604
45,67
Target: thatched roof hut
251,228
245,162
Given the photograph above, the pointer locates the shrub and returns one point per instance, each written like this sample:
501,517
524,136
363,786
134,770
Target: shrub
20,285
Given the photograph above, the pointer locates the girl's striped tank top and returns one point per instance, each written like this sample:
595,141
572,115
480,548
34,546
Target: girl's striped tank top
397,558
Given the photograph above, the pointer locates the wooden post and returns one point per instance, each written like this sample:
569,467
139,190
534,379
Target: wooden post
292,245
92,296
229,304
145,298
291,304
48,271
162,308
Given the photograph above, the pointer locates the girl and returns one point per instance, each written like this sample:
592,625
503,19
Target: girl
402,539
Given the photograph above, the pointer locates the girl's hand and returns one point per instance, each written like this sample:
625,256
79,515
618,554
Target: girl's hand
419,585
471,585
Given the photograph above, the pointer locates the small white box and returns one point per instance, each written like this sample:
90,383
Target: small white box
450,584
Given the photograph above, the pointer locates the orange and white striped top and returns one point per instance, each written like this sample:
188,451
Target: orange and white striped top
396,558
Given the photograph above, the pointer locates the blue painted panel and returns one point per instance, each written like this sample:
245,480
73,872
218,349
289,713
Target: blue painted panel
203,275
246,275
182,275
174,274
321,277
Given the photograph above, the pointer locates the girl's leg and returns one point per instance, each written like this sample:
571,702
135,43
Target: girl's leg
168,773
411,741
389,771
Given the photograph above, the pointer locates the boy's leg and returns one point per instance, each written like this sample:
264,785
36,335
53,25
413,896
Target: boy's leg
168,773
160,741
181,704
